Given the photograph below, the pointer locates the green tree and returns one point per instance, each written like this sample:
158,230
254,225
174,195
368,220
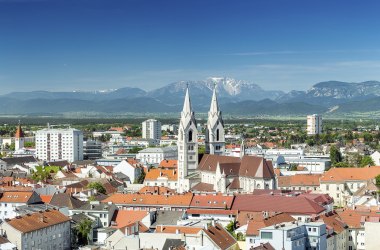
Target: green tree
134,150
97,186
335,155
342,164
141,178
83,229
231,228
377,179
41,174
366,160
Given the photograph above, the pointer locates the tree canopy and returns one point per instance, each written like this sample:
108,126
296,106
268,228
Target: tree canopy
97,186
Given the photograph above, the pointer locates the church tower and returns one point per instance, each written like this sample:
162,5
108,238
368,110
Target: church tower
19,138
187,145
215,142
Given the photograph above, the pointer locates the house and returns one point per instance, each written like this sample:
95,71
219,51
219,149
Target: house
10,162
157,155
294,235
161,177
254,226
337,231
342,183
151,202
9,200
123,218
300,208
65,200
228,174
48,229
95,209
168,164
129,167
358,235
304,182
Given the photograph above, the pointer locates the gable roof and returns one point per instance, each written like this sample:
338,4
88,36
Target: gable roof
16,197
299,180
333,221
65,200
19,160
350,174
248,166
156,173
123,218
220,236
203,187
256,224
212,201
168,164
180,200
276,203
172,229
37,221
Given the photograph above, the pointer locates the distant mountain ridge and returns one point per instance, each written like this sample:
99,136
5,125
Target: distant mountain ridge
235,97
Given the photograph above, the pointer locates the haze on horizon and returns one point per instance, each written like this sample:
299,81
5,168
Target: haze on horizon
65,45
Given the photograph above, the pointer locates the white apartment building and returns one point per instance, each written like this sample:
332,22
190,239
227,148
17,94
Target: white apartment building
156,155
314,124
59,144
151,129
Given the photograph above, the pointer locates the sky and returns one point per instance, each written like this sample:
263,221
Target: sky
66,45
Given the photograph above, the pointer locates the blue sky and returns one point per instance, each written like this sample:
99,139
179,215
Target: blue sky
102,44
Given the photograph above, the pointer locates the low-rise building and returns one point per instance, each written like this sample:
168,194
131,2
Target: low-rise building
156,155
103,211
49,229
162,177
300,182
10,200
342,183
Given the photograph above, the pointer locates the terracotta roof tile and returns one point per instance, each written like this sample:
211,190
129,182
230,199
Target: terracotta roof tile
16,197
212,201
156,190
46,198
275,203
37,221
155,173
220,236
126,217
168,164
180,200
203,187
346,174
299,180
179,229
211,211
256,224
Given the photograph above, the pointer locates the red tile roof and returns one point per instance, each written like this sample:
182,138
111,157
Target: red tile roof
299,180
168,164
126,217
156,190
212,201
16,197
177,229
156,173
46,198
37,221
347,174
179,200
220,236
211,211
256,224
275,203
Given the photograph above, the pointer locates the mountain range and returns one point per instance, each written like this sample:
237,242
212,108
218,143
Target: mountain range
236,97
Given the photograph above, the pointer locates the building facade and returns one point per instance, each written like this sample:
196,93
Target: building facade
59,144
314,124
151,129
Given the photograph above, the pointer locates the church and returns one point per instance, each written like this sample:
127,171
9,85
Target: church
216,172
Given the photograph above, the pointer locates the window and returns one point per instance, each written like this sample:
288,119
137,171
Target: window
266,235
327,187
349,238
350,248
337,188
314,229
190,135
217,135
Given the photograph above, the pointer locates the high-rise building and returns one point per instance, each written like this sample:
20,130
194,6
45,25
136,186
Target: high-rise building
314,124
59,144
151,129
214,141
187,145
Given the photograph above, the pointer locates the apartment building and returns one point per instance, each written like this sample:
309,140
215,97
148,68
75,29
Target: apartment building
59,144
314,124
151,129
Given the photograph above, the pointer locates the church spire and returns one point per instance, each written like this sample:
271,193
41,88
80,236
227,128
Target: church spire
187,104
214,108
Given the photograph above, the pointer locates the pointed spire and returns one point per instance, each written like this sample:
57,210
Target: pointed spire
214,108
187,103
19,132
